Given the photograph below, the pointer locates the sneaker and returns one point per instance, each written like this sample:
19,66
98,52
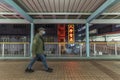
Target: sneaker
29,70
49,70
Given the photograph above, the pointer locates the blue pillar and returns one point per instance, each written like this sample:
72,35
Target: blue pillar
87,40
31,40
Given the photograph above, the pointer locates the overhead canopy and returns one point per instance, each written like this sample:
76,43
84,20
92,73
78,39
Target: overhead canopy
59,11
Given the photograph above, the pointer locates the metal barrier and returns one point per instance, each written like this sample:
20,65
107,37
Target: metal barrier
65,49
105,48
14,49
55,49
52,49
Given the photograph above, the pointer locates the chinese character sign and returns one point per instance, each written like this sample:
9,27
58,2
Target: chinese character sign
71,33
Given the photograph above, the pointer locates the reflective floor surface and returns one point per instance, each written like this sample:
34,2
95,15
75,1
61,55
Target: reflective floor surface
63,70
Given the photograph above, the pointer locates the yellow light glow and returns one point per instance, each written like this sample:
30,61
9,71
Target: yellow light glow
71,33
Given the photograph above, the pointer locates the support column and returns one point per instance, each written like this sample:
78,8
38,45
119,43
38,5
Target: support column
116,49
3,50
31,39
25,49
95,49
81,45
105,38
87,40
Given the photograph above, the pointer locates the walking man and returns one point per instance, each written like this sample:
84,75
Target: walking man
38,51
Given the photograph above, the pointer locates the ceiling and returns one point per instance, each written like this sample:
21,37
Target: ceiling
58,11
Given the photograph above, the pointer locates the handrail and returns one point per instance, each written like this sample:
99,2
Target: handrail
61,43
82,43
14,42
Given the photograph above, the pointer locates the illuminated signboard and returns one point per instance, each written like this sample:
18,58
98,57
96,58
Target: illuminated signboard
71,33
61,33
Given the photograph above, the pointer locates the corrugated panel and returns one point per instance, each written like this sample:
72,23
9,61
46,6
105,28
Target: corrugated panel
23,5
71,5
52,5
5,8
42,6
91,6
27,5
76,5
81,5
48,6
114,8
67,6
31,4
61,5
57,4
94,5
88,5
62,2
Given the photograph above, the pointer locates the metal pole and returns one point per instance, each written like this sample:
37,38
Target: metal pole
3,51
95,49
59,50
81,49
116,49
87,40
31,39
24,49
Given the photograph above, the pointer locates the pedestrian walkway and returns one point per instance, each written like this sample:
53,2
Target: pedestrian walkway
63,70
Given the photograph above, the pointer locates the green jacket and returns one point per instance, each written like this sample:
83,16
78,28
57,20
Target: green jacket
38,45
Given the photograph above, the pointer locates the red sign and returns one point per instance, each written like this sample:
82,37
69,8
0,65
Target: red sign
61,33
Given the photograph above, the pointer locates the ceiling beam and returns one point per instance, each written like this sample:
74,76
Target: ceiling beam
100,10
76,21
59,21
34,13
105,21
8,13
55,13
116,17
56,21
18,9
13,21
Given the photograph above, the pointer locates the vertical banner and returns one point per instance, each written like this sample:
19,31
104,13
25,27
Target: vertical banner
70,33
61,32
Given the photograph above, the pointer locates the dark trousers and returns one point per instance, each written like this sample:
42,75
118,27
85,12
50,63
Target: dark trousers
43,59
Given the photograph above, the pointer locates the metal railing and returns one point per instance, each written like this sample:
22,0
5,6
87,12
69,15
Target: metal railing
14,49
55,49
105,48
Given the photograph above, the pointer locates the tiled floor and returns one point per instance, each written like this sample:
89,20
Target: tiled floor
63,70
